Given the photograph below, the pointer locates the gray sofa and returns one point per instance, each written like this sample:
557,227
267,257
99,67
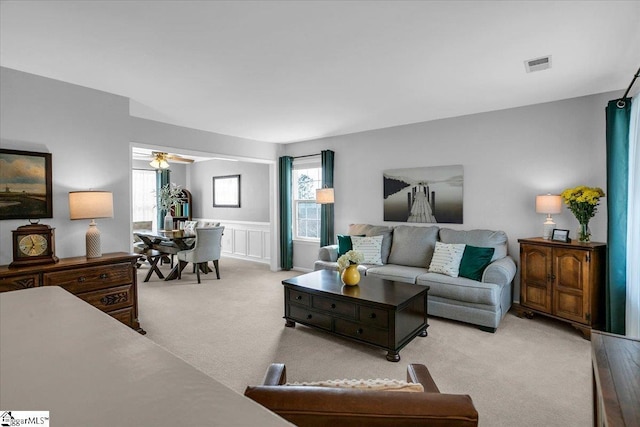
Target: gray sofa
406,255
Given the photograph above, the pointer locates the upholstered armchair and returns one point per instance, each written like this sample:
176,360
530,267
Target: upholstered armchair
313,406
206,248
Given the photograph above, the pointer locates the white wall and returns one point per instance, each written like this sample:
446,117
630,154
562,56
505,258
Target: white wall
508,156
87,133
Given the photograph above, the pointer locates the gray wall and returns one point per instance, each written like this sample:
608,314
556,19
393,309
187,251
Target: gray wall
89,134
508,156
254,190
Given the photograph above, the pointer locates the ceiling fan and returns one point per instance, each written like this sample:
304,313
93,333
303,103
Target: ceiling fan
160,159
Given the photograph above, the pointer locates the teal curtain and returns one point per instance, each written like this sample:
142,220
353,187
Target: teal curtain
286,230
618,118
163,177
326,210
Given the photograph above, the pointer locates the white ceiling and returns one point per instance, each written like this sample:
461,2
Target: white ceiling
284,71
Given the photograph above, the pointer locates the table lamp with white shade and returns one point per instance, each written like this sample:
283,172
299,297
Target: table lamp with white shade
548,204
91,205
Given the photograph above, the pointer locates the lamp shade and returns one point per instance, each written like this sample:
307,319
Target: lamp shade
548,204
90,204
324,196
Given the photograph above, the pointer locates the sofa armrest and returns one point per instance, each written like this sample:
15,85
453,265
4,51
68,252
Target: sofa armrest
418,373
328,253
276,374
501,271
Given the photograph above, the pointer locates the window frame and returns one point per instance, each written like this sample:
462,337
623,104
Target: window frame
312,162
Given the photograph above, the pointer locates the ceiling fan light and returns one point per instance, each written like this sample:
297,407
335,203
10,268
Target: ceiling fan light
163,164
154,163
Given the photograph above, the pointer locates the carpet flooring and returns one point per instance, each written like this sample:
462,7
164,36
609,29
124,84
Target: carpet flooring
531,372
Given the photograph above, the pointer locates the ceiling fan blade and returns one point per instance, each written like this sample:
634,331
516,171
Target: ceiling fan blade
176,158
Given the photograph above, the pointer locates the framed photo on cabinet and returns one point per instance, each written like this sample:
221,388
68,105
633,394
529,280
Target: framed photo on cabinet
226,191
560,235
25,185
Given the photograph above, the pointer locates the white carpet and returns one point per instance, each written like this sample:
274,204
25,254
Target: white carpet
529,373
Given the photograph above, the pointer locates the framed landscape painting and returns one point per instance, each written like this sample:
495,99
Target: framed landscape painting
25,185
424,195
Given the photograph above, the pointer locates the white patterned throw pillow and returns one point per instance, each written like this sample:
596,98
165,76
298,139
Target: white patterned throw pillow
373,384
370,247
446,258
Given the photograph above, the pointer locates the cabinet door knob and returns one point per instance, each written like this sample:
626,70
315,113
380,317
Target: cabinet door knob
359,331
333,306
372,316
299,297
81,279
309,316
104,275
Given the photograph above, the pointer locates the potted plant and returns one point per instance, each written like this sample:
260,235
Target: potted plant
169,195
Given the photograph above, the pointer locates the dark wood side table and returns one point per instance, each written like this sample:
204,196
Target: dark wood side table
108,282
616,380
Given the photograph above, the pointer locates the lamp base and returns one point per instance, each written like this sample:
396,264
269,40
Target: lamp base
548,228
93,241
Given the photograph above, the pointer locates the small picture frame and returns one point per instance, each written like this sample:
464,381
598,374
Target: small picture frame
560,235
226,191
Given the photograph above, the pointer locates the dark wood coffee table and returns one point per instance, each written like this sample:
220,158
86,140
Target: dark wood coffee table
379,312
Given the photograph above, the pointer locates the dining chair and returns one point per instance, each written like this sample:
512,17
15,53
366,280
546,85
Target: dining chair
206,248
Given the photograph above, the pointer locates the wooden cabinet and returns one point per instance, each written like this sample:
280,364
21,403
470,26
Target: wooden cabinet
182,212
563,280
108,283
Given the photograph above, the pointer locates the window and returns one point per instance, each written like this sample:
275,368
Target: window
143,190
307,177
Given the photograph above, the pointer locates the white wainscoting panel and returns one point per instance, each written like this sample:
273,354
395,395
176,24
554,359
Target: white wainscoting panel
246,240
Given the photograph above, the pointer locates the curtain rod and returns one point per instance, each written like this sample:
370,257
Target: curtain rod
308,155
621,103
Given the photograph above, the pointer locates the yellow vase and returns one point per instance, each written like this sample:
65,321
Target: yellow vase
350,275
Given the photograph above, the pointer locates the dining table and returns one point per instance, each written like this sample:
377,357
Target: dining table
170,242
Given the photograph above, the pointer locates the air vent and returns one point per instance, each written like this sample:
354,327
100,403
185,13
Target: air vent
537,64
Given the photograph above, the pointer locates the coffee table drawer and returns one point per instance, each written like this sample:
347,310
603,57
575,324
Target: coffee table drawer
362,332
334,306
374,317
302,315
298,297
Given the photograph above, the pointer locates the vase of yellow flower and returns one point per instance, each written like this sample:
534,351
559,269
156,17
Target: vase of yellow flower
348,267
583,202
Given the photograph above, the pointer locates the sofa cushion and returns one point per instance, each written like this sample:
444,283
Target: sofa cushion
345,244
481,238
474,261
370,247
461,289
375,230
446,258
413,246
398,273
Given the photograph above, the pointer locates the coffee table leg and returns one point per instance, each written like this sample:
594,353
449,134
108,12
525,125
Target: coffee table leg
290,324
393,356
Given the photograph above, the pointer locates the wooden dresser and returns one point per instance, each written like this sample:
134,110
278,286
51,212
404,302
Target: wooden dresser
616,380
108,283
563,280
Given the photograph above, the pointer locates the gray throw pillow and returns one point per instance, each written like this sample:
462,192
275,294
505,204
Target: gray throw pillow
413,246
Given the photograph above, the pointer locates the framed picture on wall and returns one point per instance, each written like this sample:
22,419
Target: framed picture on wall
25,185
226,191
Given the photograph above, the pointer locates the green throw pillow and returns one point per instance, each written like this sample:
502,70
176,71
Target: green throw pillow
344,243
474,261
